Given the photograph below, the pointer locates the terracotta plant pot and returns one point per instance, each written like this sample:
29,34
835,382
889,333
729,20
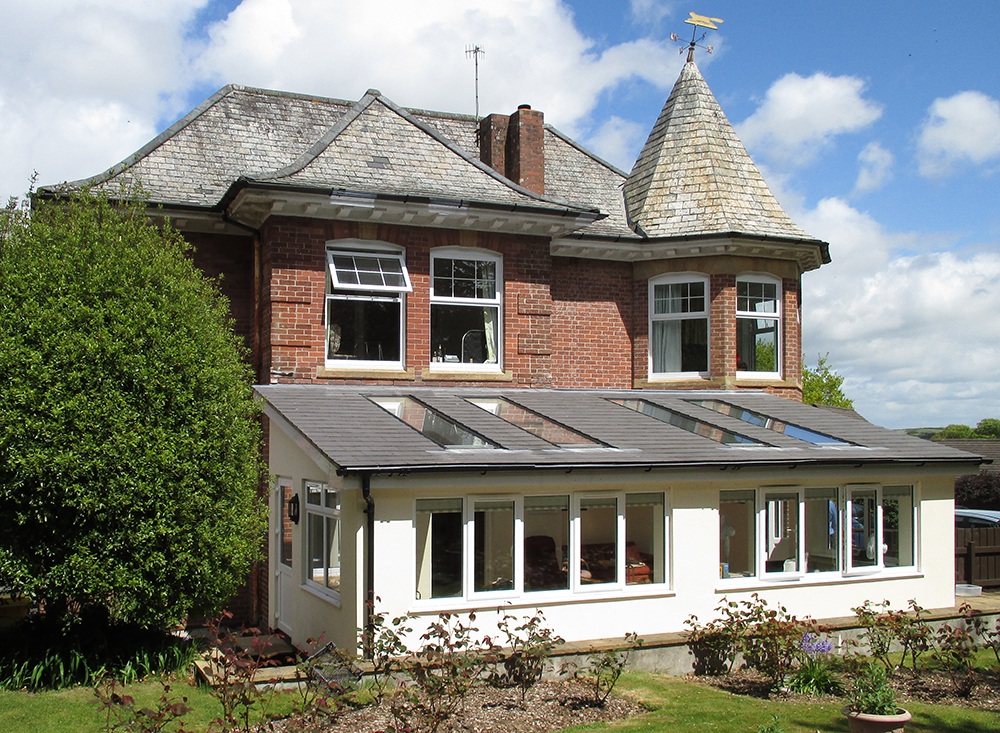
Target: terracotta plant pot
865,723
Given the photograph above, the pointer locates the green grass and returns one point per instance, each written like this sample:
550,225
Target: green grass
676,706
76,710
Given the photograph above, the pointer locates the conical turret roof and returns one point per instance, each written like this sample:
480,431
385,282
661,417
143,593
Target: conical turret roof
694,177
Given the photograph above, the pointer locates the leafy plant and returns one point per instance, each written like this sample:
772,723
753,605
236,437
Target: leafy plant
814,676
872,694
244,704
604,668
876,631
450,661
716,644
121,713
957,646
388,646
773,727
129,445
40,654
526,647
771,639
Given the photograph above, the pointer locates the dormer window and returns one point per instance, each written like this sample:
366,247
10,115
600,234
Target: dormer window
678,326
364,306
758,325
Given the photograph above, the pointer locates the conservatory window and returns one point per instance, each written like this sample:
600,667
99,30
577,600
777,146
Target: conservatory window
323,536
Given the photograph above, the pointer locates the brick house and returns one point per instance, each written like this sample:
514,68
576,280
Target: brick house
498,370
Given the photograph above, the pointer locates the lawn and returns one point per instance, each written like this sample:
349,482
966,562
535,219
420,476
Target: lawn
676,706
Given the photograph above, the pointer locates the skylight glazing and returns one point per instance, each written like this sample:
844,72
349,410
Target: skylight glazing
686,423
534,423
763,421
431,423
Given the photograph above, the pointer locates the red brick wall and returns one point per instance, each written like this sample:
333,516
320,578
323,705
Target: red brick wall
294,262
592,324
722,327
228,260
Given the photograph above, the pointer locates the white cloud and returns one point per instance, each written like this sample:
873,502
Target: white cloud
964,128
650,12
915,336
415,54
876,168
800,115
618,141
84,84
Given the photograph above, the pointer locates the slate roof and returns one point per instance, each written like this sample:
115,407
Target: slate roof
694,177
988,448
355,434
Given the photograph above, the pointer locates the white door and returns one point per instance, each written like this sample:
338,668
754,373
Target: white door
283,579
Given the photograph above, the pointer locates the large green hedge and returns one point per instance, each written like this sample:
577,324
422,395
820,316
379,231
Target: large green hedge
129,440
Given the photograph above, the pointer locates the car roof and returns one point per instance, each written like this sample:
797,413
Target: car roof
979,513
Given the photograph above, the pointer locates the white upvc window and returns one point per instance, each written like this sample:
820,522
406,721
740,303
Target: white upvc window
863,528
493,547
758,326
322,515
788,532
465,301
780,517
365,305
678,326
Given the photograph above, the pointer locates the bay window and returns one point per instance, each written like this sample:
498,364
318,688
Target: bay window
465,296
758,326
678,325
507,547
364,307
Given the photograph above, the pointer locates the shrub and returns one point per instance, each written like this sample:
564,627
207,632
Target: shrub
526,647
129,445
957,646
603,670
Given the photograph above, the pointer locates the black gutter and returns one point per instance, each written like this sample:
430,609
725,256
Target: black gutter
791,464
366,491
566,210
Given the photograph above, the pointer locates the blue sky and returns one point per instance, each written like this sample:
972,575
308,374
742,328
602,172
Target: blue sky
877,125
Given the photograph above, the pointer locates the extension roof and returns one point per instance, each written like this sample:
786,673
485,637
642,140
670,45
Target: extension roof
344,427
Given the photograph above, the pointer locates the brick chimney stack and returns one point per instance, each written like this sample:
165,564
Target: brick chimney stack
515,146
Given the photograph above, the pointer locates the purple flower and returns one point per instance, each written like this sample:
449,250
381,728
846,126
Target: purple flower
814,646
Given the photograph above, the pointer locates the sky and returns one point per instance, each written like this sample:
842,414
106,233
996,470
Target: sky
876,124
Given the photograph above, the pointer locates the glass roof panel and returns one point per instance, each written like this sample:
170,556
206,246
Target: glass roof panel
431,423
534,423
686,423
763,421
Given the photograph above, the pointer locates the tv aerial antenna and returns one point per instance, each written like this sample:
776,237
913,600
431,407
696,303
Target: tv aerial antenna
475,51
698,21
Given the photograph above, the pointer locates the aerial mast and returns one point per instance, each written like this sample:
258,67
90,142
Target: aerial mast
475,51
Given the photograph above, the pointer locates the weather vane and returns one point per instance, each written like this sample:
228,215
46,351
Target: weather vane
698,21
475,52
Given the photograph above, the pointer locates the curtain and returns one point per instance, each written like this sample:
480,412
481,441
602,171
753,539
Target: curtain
490,326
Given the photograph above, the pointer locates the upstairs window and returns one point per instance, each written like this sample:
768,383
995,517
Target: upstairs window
364,307
758,325
465,309
678,325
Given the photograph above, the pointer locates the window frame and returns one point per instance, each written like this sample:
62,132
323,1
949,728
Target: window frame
576,588
325,513
847,496
777,317
470,254
357,293
671,279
